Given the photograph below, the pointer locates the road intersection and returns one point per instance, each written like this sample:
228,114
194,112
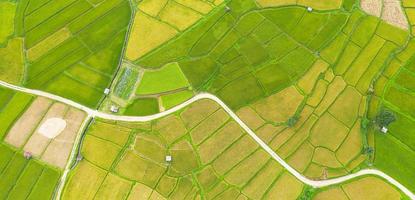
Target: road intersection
314,183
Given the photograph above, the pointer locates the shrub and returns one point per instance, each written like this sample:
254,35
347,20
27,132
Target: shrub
292,121
385,117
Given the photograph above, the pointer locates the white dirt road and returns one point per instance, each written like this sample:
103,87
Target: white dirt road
321,183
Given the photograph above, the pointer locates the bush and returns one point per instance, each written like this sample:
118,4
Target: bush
385,117
292,121
308,193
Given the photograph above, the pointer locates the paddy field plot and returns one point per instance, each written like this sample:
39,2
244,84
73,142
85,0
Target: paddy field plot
168,78
75,45
243,58
368,187
22,178
135,162
47,130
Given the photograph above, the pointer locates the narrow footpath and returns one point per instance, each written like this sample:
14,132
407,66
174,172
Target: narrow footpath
95,113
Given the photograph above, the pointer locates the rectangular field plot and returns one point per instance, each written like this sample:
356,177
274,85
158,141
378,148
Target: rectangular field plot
168,78
74,46
23,178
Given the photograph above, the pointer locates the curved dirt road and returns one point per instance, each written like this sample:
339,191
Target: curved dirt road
322,183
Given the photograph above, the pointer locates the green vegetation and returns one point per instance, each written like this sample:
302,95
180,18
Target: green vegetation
12,105
168,78
253,55
84,62
22,178
140,161
7,10
385,117
144,106
314,85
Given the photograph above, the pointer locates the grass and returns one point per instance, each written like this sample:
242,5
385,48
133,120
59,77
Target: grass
170,128
364,30
7,10
168,78
170,100
395,158
49,43
93,38
133,167
260,183
150,147
183,16
402,130
114,183
401,99
111,132
45,186
25,179
370,187
106,154
185,159
363,61
406,79
325,157
332,52
146,29
143,107
84,181
52,24
12,62
11,174
328,132
218,142
241,91
346,106
88,76
209,126
279,107
286,187
199,75
90,96
15,107
234,154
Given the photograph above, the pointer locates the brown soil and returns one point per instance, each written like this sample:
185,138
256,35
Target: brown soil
394,14
372,7
58,151
23,127
37,142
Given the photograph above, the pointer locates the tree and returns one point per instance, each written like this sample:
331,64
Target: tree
385,117
292,121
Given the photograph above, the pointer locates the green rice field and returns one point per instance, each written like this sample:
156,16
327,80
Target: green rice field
328,85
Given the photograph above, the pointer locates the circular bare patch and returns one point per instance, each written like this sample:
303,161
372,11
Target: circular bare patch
52,127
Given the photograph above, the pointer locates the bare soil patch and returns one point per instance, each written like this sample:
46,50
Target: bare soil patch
23,127
38,142
372,7
394,14
58,151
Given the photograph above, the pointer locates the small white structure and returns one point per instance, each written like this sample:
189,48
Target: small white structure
106,91
168,158
309,9
114,109
384,130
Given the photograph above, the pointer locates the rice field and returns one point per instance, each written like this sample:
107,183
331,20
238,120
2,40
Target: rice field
211,158
309,83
